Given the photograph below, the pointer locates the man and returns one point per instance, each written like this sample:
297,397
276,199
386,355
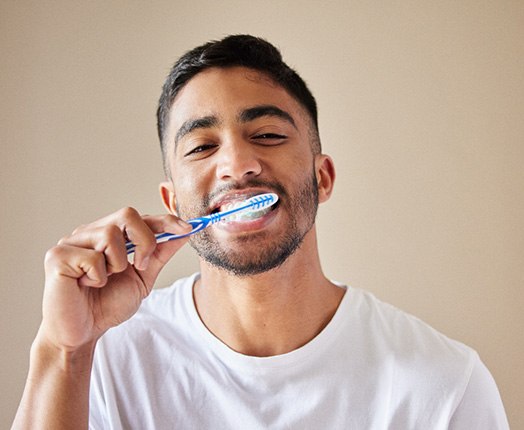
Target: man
260,338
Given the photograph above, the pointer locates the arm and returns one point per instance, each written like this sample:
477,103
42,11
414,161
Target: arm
90,287
56,394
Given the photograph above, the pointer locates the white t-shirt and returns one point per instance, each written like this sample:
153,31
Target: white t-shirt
372,367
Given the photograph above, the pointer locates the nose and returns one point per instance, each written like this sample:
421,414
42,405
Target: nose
237,160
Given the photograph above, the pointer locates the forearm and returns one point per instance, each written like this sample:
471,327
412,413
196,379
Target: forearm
56,395
82,300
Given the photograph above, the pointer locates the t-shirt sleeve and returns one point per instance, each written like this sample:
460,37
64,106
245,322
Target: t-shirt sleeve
481,407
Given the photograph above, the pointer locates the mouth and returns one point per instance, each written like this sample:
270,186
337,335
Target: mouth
234,201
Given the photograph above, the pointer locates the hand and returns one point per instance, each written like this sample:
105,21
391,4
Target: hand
90,285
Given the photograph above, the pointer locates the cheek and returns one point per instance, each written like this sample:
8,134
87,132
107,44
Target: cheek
298,169
189,191
187,178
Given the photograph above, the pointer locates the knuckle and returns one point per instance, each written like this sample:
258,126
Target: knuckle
96,258
111,233
63,241
53,254
78,229
55,259
92,258
128,213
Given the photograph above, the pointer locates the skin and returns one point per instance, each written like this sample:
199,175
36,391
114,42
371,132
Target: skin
264,314
90,286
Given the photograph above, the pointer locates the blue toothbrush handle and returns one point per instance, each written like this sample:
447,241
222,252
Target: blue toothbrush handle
255,203
197,223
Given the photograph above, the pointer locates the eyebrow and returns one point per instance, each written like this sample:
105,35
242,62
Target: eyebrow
256,112
194,124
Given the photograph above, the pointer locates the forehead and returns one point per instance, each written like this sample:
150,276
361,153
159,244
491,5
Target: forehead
224,92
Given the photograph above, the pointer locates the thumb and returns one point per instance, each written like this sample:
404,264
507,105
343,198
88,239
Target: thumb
158,259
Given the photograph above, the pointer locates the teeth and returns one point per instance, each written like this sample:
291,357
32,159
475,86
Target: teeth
243,216
248,215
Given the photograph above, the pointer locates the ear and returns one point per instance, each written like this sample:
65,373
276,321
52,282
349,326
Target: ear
325,174
167,194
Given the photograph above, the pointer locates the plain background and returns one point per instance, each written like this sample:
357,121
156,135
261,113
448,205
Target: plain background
421,107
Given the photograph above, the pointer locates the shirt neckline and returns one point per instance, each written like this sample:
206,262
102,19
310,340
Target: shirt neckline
300,356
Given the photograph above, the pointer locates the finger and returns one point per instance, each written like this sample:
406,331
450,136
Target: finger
129,221
170,224
86,267
131,224
139,233
162,254
161,224
167,223
108,240
121,218
117,218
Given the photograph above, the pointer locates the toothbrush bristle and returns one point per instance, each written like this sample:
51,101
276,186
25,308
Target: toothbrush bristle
253,204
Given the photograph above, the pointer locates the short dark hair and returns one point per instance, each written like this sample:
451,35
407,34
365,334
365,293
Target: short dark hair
236,50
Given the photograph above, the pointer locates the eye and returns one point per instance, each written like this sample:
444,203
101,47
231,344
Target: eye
270,138
200,149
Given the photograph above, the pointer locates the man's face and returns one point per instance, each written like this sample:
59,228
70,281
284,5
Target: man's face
233,133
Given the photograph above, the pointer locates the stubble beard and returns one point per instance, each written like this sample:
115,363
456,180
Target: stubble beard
246,259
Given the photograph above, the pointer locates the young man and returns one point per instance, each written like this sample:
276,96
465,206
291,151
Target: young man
260,338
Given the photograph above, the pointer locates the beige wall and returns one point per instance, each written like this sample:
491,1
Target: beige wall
421,106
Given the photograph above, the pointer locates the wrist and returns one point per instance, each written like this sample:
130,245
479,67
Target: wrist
47,355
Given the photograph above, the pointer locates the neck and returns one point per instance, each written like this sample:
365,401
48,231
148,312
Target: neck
271,313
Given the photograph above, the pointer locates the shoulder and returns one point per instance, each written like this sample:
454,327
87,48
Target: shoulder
419,358
422,367
404,334
481,405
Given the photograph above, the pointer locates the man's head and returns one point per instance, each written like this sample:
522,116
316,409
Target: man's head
230,132
238,50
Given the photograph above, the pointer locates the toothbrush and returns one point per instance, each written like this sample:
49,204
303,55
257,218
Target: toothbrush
253,204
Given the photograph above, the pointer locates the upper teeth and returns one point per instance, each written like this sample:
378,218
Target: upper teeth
230,206
242,215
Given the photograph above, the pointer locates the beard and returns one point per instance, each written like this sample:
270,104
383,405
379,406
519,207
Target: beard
245,258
